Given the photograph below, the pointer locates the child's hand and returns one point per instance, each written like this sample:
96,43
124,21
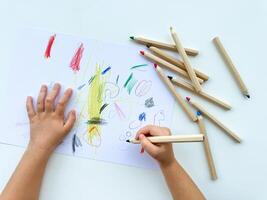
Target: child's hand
47,125
163,153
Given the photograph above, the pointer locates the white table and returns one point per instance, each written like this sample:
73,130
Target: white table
242,169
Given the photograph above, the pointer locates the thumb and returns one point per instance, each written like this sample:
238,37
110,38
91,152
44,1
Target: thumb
150,148
70,121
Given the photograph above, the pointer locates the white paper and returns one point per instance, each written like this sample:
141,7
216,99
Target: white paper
30,69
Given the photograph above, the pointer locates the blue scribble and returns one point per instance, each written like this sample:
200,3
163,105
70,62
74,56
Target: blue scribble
81,86
117,79
106,70
142,117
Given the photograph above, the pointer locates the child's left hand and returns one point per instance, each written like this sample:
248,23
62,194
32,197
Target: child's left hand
47,125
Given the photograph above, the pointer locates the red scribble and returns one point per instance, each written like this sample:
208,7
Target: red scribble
49,46
75,62
142,150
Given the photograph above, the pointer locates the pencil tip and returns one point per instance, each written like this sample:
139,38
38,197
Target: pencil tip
198,113
171,28
127,140
142,52
170,77
155,65
248,96
188,99
132,37
148,45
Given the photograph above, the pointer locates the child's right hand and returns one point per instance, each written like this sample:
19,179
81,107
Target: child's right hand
163,153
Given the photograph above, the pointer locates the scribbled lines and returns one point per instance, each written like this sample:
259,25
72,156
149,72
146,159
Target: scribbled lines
50,43
76,59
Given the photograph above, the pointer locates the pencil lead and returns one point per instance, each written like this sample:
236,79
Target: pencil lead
127,140
199,113
142,52
188,99
155,65
171,29
248,96
170,77
148,45
132,37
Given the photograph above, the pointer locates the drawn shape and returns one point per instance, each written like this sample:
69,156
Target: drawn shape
96,140
130,83
142,117
81,86
138,66
75,61
117,79
119,111
75,143
50,43
149,102
106,70
142,88
125,136
96,120
111,91
135,124
103,107
159,117
95,102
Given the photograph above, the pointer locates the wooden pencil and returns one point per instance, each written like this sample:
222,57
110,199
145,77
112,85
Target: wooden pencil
176,62
187,64
189,87
177,96
231,66
171,139
207,149
204,112
167,65
145,41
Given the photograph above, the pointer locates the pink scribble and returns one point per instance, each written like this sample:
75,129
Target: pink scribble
49,46
119,111
75,62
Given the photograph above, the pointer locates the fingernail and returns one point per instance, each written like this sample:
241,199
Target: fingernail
141,136
142,150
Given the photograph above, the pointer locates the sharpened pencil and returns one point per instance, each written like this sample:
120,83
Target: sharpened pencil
171,139
187,64
145,41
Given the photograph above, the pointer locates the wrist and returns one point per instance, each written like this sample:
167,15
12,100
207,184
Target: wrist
38,151
168,164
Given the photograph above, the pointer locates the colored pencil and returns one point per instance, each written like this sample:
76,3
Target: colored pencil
215,121
145,41
187,64
176,62
177,96
167,65
231,66
189,87
171,139
207,149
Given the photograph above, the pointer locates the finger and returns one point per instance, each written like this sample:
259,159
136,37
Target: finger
50,99
70,121
41,99
148,146
60,107
30,108
148,130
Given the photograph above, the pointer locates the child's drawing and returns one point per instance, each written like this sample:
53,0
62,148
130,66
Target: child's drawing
114,96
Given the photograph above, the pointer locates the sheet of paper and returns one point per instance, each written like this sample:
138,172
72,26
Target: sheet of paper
116,92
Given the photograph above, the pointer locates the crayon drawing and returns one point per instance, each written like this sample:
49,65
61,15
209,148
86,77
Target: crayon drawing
113,95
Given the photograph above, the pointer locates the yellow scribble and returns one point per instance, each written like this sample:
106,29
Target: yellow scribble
95,100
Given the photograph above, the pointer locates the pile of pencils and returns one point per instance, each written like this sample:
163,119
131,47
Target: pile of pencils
191,79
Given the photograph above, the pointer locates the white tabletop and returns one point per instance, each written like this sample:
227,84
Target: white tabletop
242,168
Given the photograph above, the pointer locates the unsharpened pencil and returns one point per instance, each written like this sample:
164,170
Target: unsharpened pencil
171,139
187,64
145,41
175,61
177,96
207,149
214,120
231,66
167,65
189,87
